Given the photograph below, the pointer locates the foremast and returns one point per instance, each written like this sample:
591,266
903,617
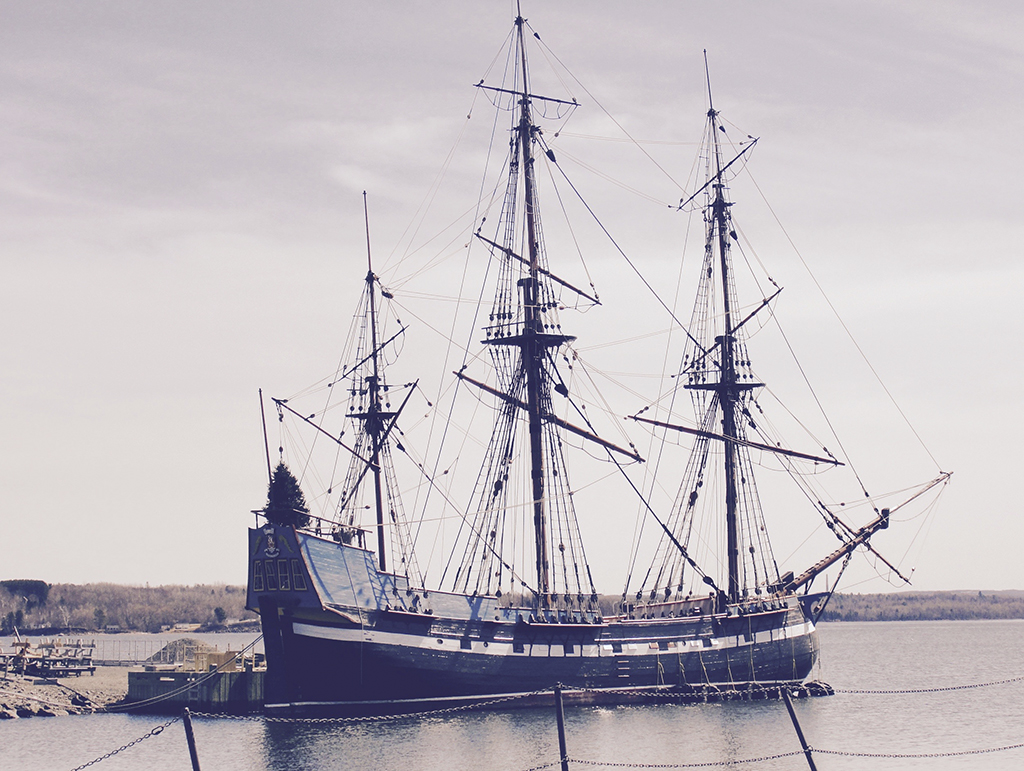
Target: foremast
716,370
727,387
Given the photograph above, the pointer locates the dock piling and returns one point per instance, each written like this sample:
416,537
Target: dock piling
563,753
800,734
186,718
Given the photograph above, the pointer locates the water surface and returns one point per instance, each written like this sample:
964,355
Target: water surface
855,656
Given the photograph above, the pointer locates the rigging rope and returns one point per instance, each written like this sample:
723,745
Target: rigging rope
620,250
610,116
846,329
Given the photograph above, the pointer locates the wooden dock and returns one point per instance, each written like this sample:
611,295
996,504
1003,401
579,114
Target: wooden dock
164,690
49,658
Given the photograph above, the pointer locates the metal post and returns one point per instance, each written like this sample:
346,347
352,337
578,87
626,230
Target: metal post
187,720
796,725
563,754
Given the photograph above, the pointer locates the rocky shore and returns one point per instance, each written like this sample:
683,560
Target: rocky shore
22,697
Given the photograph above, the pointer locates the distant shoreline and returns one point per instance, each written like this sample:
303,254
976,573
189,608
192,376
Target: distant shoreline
243,627
31,604
926,606
60,609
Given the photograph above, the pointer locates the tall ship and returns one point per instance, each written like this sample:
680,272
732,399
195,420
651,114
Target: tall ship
350,625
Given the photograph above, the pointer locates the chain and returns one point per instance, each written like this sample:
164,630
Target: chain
546,765
713,692
373,718
667,696
708,764
934,690
909,756
153,732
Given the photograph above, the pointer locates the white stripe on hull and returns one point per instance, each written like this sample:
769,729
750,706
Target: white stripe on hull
503,648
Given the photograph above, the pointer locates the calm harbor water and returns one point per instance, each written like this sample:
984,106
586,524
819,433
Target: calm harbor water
856,656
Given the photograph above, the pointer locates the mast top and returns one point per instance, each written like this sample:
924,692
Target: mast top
707,76
369,259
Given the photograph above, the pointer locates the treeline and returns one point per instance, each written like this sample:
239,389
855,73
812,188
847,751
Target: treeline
35,605
113,607
925,606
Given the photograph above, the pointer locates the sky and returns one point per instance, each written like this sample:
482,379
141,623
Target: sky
181,224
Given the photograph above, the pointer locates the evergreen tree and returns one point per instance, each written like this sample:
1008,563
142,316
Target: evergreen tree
286,505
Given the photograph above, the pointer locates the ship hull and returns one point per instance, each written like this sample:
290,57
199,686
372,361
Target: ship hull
345,638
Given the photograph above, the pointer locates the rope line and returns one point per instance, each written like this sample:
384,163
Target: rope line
846,329
125,706
157,730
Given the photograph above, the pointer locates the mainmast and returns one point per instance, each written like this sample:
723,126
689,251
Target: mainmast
523,334
531,344
523,519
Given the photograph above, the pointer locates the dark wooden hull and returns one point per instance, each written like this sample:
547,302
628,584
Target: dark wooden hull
365,656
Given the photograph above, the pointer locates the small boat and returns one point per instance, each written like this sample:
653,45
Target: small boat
350,625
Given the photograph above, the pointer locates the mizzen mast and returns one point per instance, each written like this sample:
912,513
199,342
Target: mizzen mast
374,418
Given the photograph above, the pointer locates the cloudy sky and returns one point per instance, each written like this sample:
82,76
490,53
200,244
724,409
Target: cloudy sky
181,224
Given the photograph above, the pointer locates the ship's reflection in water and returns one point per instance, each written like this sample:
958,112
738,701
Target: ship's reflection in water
517,739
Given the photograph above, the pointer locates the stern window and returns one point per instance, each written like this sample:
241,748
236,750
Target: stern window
298,580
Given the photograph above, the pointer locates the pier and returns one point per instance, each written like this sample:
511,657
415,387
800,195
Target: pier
163,691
